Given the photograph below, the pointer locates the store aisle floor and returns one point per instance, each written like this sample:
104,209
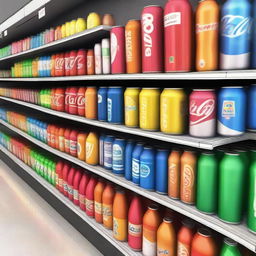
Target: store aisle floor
29,226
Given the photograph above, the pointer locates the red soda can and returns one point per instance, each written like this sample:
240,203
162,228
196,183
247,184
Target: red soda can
81,101
53,106
67,100
67,64
59,65
152,39
73,63
59,99
81,62
202,113
178,35
117,47
72,103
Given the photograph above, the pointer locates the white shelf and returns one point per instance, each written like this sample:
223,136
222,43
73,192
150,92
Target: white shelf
186,140
238,233
107,234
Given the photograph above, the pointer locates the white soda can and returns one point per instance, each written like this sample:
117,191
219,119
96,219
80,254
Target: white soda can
97,56
105,50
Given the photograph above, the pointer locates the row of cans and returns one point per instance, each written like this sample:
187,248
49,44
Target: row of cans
146,226
203,179
230,110
53,34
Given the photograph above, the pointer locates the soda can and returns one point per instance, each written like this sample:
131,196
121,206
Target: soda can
162,171
81,62
108,151
72,103
93,20
105,52
91,103
230,247
202,113
115,105
231,190
102,103
73,63
133,46
92,149
173,109
231,111
101,149
251,217
128,159
251,118
152,39
81,101
67,63
118,156
207,183
98,60
131,106
147,168
236,24
136,163
117,45
59,64
72,27
149,109
188,177
90,62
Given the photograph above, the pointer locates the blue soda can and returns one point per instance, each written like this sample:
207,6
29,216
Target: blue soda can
162,171
236,26
102,103
108,150
45,132
231,111
136,163
147,168
128,159
251,120
115,105
118,156
101,150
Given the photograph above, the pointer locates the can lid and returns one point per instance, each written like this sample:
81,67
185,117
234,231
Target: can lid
153,207
207,153
153,5
230,242
232,87
115,87
188,223
148,88
167,220
204,232
163,149
148,147
203,90
133,19
119,139
103,87
132,88
231,153
119,26
189,151
110,136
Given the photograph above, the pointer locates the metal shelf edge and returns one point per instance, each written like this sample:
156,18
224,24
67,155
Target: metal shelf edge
238,233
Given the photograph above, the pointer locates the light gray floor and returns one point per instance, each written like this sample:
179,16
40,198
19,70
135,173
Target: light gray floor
29,226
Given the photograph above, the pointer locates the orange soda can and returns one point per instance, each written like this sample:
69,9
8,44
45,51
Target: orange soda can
151,222
98,191
188,177
185,237
90,62
120,216
207,31
107,206
81,140
91,103
174,174
56,132
133,46
166,238
35,67
203,243
92,149
61,139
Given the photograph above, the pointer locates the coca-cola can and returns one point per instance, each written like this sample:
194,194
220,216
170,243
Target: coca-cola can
81,101
117,45
105,49
67,100
97,56
72,104
81,62
59,99
67,65
73,63
202,113
152,39
59,65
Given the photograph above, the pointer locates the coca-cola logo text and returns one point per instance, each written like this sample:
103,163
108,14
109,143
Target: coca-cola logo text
59,63
188,181
58,99
80,100
148,28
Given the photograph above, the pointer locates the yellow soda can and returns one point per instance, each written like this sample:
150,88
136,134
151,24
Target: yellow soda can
72,27
80,25
131,106
92,149
173,109
63,30
149,109
67,25
93,20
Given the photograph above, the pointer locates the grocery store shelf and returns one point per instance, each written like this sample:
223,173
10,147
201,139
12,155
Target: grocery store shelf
83,39
209,143
212,75
107,234
238,233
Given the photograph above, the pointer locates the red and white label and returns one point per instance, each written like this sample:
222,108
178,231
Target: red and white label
148,29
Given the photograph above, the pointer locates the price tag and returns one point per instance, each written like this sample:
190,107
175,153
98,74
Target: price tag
41,13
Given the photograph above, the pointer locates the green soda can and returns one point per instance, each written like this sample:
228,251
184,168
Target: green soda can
220,152
231,188
207,183
251,217
48,98
41,161
37,164
53,173
46,162
49,173
230,248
